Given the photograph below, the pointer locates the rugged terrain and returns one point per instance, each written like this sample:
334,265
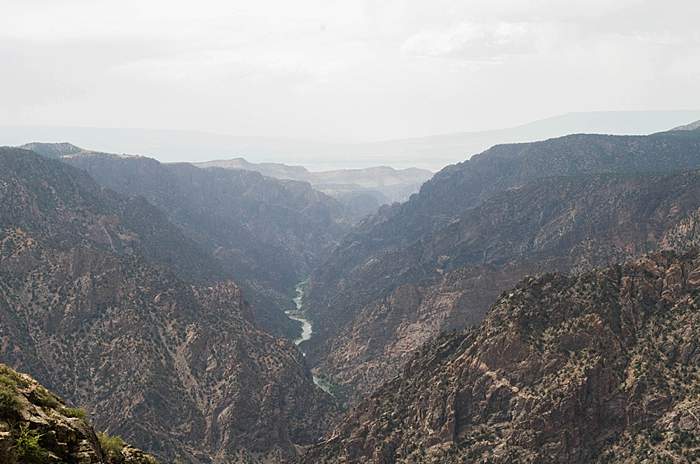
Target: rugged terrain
596,367
438,261
117,294
264,233
179,369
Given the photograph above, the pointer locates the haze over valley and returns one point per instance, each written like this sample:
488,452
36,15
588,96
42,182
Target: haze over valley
428,152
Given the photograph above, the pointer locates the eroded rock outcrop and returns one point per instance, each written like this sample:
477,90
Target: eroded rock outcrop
597,367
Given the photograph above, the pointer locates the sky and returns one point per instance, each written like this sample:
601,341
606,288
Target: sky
354,70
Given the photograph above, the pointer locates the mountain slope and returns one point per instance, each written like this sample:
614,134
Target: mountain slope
464,185
264,233
598,367
62,203
177,368
450,278
692,126
475,229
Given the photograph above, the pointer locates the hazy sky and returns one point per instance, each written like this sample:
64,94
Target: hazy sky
352,70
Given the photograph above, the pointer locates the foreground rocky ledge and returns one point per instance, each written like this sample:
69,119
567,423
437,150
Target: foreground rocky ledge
36,427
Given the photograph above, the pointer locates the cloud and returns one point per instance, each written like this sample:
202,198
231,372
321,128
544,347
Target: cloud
341,68
471,41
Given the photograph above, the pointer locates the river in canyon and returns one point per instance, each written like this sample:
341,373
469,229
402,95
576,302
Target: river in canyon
299,314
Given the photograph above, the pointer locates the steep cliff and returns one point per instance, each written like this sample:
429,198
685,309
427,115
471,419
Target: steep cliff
438,261
179,369
596,367
265,233
449,279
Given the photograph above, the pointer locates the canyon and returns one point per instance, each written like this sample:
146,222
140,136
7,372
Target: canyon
213,314
437,262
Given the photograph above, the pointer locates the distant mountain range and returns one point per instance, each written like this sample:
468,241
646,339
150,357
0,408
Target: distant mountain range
362,190
432,152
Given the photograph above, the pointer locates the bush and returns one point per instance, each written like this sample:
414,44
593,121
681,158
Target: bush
7,381
45,398
74,412
9,403
112,446
27,448
11,378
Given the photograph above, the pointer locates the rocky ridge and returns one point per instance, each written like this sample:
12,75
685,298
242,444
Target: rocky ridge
449,280
596,367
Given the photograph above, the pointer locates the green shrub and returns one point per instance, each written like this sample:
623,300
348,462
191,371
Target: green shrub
7,381
45,398
112,446
10,377
74,412
9,403
27,448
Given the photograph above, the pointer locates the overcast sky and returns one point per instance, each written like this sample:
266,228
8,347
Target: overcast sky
349,70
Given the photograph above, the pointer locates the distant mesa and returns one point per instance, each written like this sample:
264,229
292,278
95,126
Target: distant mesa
425,151
66,150
53,150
